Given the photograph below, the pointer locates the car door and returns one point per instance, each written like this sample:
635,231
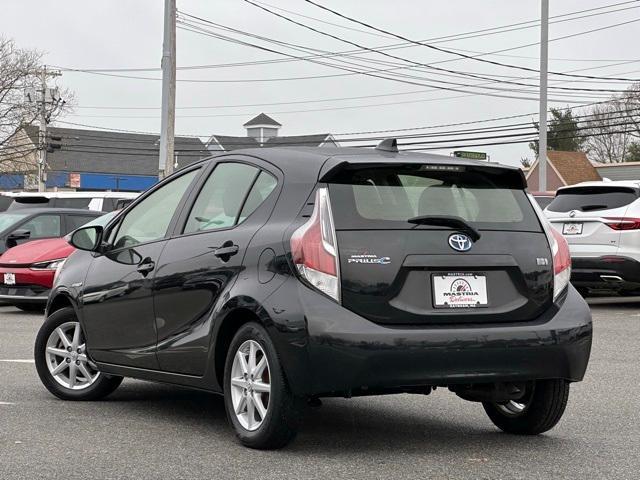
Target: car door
204,258
116,301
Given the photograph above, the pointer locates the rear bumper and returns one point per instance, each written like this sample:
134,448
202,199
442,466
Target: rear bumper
606,272
350,355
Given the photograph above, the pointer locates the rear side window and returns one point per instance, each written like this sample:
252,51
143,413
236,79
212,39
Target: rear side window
590,199
220,200
388,197
261,189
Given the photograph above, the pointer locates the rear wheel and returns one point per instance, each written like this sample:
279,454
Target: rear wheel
62,361
259,404
538,411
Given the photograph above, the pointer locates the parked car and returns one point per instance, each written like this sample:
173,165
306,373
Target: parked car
601,223
21,226
97,201
27,271
277,276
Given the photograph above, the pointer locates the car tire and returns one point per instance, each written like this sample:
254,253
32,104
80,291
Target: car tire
253,427
94,386
538,412
30,307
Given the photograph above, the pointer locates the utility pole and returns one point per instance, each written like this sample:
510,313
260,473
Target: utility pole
167,124
43,121
544,67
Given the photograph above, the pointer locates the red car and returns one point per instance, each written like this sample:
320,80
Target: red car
27,272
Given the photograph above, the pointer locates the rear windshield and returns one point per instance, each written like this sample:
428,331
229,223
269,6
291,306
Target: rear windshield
589,199
388,197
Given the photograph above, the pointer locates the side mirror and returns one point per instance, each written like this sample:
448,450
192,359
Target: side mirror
86,238
16,235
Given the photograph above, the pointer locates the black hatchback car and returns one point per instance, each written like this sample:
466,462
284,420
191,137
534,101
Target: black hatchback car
277,276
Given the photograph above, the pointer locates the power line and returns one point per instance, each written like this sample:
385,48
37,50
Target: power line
442,39
455,72
449,133
448,51
486,120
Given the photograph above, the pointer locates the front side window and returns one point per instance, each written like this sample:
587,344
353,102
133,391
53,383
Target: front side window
149,220
221,198
43,226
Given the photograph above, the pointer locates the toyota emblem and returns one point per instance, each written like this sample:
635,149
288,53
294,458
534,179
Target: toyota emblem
460,242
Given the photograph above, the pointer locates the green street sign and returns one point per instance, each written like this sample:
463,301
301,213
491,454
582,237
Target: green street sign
470,155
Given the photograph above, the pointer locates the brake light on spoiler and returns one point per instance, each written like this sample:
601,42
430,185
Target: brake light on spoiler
622,223
314,248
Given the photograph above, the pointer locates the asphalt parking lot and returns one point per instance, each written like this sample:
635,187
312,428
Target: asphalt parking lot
153,431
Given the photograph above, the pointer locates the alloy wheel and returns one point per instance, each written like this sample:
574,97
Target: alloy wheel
512,408
67,360
250,385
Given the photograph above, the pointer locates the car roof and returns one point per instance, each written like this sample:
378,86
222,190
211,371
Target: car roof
317,161
38,210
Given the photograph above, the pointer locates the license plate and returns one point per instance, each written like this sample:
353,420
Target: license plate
572,229
459,290
9,278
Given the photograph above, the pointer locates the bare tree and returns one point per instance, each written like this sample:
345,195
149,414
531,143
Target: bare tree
614,127
19,72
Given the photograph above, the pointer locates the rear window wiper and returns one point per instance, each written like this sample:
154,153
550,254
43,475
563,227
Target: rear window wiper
447,221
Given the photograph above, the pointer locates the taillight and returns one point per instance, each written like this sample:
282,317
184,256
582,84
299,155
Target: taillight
561,262
559,250
623,223
314,248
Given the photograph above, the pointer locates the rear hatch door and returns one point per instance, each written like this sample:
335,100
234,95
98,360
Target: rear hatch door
394,271
583,214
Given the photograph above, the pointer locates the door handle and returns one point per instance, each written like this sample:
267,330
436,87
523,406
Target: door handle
227,250
146,266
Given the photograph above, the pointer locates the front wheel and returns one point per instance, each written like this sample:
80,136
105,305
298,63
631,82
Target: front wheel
260,407
62,361
539,410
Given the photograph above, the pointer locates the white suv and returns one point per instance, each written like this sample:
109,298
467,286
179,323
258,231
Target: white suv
601,222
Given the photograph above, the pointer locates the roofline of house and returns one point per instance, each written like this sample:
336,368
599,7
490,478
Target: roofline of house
263,125
550,163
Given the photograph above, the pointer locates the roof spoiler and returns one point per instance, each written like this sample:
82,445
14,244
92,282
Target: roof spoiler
508,177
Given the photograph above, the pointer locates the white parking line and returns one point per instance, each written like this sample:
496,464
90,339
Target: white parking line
6,403
18,360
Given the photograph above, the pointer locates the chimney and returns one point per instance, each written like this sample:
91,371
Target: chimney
262,128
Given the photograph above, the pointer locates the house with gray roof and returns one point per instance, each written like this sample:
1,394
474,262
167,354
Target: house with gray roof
262,131
100,160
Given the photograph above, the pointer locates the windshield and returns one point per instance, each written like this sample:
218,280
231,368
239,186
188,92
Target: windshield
8,220
589,199
389,197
